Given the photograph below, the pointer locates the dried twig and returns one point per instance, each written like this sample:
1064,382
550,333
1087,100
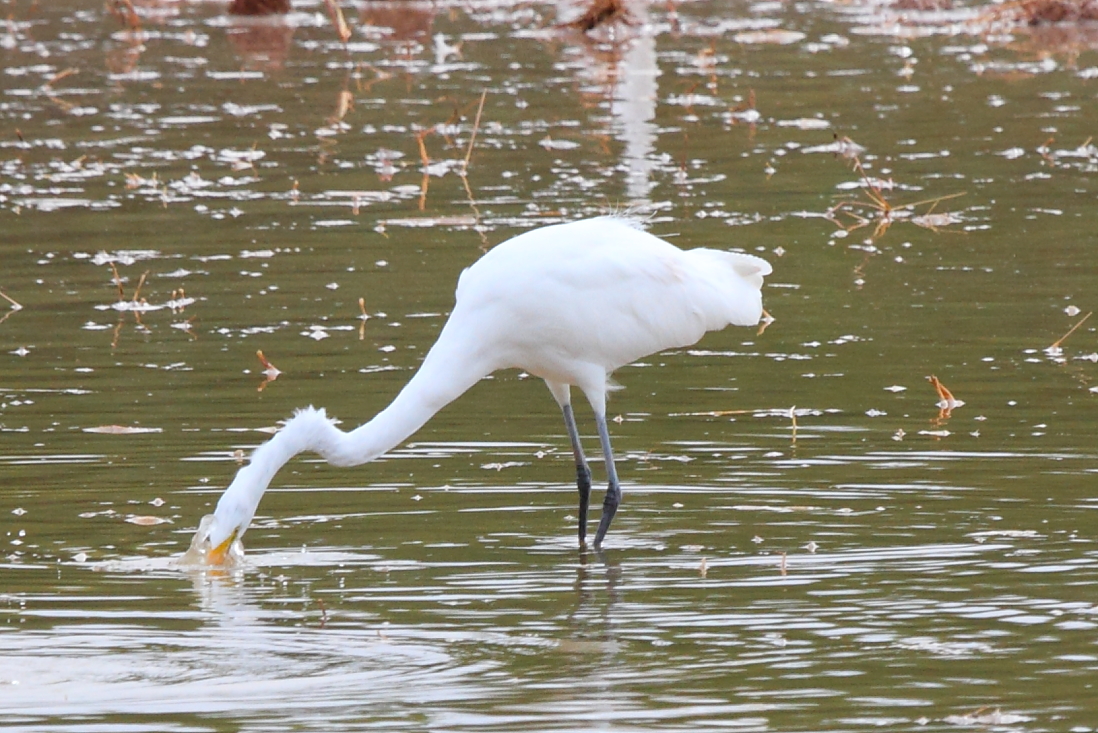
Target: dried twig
364,317
765,322
884,212
59,76
1073,329
140,283
426,182
340,24
476,126
124,11
118,283
946,400
344,104
270,371
14,305
420,137
943,393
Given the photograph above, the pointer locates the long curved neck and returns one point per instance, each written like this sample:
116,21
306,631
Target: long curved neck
449,370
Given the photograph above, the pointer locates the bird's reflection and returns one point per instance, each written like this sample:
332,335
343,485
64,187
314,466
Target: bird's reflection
406,23
262,43
598,591
224,593
623,60
633,109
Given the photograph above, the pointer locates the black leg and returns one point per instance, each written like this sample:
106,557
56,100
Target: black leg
613,490
583,483
583,472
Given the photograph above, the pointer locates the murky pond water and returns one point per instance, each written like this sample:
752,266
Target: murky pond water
807,541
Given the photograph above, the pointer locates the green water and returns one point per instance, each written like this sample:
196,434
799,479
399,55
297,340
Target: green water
871,563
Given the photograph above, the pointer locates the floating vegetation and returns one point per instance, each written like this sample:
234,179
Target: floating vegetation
122,430
1041,12
875,208
602,13
946,400
1083,158
1055,349
14,306
270,371
259,7
146,520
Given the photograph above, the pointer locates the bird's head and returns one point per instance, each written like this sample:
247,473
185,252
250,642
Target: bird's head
220,542
217,540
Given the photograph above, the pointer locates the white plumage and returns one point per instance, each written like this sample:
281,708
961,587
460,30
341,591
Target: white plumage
569,303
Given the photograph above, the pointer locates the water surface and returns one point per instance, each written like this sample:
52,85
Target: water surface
807,541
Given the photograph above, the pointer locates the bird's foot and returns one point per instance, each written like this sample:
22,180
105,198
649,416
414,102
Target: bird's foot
609,508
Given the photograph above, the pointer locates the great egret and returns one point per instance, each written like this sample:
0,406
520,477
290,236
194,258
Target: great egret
569,303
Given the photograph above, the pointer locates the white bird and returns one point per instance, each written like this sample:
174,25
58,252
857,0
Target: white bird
569,303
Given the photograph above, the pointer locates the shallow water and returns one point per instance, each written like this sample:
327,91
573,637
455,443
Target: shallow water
807,541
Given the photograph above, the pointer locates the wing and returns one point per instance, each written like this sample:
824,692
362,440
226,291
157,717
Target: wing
601,291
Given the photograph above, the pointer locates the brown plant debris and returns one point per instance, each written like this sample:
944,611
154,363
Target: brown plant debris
259,7
922,5
270,371
140,284
14,305
1054,349
765,322
338,21
363,318
118,283
852,213
602,12
124,11
946,400
748,104
473,136
1044,12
